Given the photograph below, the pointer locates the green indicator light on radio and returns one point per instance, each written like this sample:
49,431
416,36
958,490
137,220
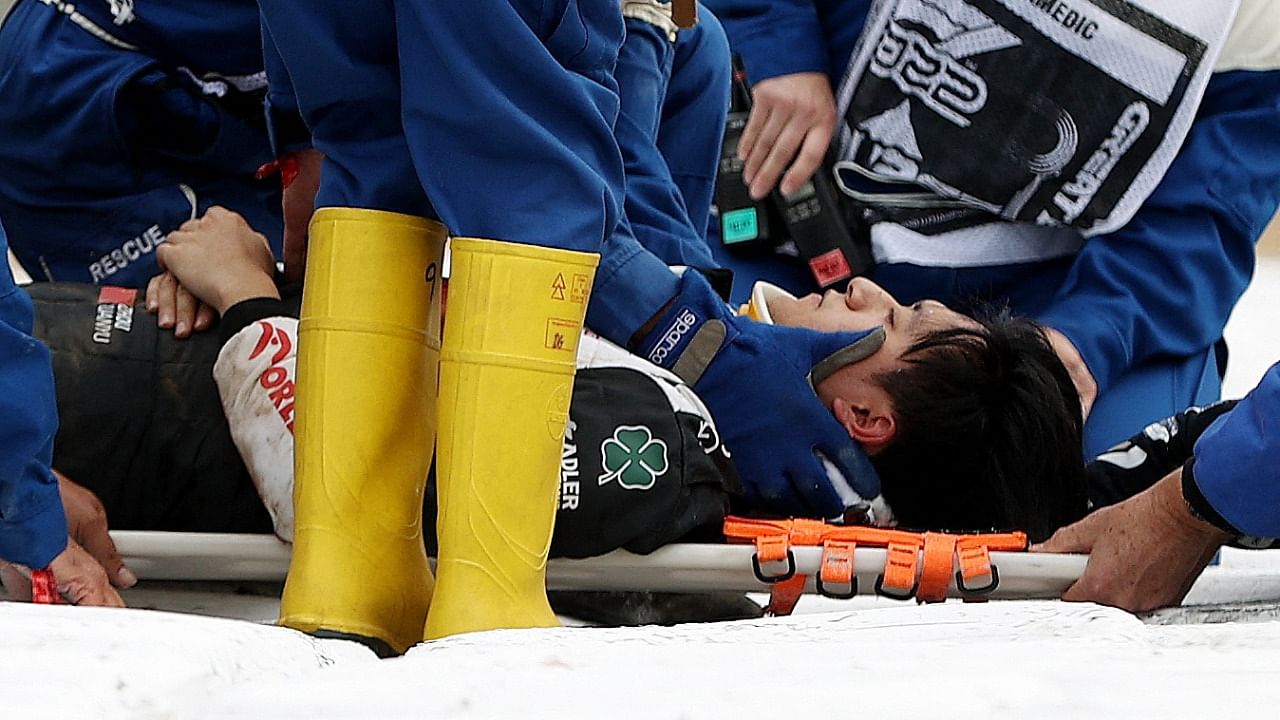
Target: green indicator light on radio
739,226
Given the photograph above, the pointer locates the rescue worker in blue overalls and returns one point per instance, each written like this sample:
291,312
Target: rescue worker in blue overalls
33,522
123,120
1154,183
498,119
1146,552
673,85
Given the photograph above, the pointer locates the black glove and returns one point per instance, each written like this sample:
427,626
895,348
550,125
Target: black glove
1144,459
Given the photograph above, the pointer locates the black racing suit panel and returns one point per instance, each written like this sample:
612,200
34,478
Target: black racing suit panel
141,422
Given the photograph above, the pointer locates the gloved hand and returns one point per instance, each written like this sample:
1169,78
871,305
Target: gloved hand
1141,461
758,380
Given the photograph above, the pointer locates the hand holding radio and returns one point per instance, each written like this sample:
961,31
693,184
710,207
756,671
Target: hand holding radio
792,120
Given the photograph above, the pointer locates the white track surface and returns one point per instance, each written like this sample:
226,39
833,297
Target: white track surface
873,657
862,658
1018,659
1251,333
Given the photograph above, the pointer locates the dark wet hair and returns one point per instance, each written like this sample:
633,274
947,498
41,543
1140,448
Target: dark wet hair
988,432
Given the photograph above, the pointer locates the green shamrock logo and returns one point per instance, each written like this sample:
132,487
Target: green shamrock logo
633,457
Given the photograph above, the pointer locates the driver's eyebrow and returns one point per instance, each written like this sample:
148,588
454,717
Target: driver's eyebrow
917,312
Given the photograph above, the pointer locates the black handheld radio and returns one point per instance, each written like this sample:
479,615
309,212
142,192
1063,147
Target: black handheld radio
744,222
810,217
813,220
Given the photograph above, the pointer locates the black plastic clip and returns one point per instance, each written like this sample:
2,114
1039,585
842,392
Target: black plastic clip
774,579
881,591
834,595
984,590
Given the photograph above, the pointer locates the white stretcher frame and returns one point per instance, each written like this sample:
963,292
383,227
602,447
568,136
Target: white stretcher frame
674,568
1245,577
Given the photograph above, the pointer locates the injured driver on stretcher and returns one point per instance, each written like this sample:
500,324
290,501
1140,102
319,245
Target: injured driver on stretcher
971,423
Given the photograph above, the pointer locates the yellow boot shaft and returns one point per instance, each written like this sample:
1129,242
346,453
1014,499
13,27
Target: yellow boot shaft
511,337
368,351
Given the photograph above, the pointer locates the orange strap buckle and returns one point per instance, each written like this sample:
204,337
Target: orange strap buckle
935,572
837,569
975,565
773,549
898,581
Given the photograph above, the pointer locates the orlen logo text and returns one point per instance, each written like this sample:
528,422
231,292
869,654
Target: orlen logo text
275,379
910,61
685,321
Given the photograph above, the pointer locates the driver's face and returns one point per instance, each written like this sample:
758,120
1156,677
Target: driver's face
865,305
853,393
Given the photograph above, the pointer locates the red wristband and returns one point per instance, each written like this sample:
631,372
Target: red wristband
44,588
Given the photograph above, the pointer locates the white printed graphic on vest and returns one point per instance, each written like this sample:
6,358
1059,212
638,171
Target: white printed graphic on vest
121,11
1055,112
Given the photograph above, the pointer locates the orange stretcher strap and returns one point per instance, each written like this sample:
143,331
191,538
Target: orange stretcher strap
935,573
772,548
942,552
784,596
976,575
836,576
899,577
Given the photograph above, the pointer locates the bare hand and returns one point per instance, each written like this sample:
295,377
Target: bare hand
87,526
792,120
90,564
1081,377
177,308
215,261
1145,553
81,580
299,205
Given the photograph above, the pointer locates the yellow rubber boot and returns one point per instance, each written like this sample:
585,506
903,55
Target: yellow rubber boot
368,353
506,376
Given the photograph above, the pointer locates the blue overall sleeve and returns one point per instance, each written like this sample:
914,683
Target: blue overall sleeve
169,112
1165,283
1237,461
33,529
658,214
285,127
774,37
